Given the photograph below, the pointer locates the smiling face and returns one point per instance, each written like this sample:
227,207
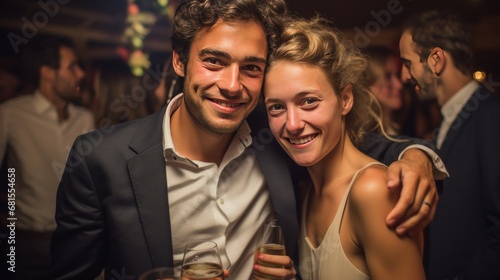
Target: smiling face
414,70
224,74
392,76
304,112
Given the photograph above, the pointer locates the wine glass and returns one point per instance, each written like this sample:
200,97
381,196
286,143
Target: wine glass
160,273
202,262
272,243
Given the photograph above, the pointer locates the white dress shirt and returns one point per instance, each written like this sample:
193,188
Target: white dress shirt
452,108
37,145
226,204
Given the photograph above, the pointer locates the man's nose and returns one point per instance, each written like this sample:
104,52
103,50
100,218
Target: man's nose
405,74
231,81
79,74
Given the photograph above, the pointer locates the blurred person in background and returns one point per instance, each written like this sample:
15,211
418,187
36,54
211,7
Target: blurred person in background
36,134
119,96
464,238
404,111
383,78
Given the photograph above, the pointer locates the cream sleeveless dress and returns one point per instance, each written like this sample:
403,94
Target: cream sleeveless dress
328,261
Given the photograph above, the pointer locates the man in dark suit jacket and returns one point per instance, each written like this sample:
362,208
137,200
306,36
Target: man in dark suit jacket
132,195
464,237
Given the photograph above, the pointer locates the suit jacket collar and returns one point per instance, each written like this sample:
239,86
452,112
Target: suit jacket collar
472,105
147,174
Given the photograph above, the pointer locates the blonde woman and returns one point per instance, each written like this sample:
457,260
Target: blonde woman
318,108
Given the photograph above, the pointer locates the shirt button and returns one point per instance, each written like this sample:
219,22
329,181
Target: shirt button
221,201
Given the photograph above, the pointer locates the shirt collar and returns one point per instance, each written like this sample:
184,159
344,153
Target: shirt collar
452,108
43,106
242,137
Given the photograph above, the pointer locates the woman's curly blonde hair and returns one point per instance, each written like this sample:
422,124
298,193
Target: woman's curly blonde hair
317,43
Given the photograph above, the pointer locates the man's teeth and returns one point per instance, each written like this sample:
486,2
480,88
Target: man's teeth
229,105
301,140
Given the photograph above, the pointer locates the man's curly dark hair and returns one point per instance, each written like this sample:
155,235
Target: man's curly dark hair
193,15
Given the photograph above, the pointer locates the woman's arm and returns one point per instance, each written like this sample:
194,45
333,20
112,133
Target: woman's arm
387,255
414,164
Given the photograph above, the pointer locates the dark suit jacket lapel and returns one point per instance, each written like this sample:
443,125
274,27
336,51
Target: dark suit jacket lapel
450,137
462,118
147,174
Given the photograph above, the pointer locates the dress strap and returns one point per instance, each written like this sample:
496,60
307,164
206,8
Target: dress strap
362,169
340,211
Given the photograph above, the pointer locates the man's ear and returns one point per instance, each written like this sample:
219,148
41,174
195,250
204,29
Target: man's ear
177,64
346,100
437,61
46,73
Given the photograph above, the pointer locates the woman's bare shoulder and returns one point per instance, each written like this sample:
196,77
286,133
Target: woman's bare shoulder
370,189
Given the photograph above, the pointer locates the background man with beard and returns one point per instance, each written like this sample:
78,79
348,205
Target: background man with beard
36,134
464,237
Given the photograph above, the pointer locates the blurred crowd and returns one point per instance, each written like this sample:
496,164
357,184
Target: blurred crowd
114,95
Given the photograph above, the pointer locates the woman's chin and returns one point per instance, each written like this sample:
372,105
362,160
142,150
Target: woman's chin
304,162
